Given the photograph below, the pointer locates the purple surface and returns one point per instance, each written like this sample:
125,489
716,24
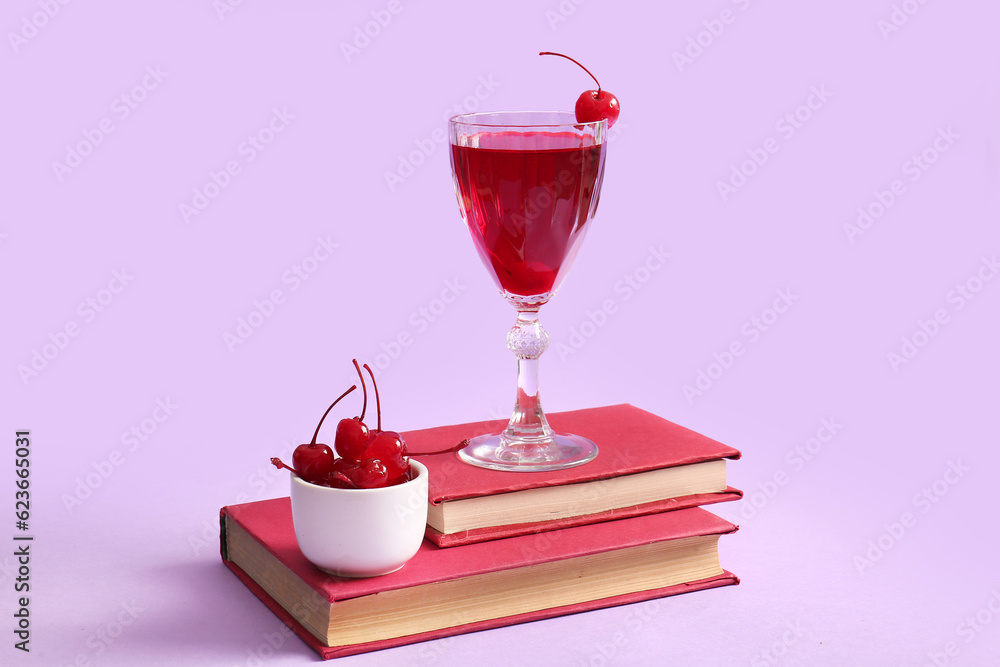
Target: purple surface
849,453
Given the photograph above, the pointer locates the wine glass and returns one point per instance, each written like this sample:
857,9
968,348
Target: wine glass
528,183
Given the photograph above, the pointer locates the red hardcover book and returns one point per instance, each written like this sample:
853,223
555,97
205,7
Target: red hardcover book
645,465
443,592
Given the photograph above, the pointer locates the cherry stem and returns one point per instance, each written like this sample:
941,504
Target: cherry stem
378,404
553,53
316,434
364,388
453,448
279,464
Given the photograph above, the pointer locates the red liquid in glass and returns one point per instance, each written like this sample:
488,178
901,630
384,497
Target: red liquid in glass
526,198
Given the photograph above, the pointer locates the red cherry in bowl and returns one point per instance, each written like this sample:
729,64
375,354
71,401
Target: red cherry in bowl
315,460
593,105
389,448
352,434
342,475
371,474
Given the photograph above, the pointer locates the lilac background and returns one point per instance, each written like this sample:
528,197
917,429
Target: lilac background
125,566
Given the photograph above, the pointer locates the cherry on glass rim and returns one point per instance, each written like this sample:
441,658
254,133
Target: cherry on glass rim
592,105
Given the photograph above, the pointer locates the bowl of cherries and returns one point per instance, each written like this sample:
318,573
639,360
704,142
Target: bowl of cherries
359,509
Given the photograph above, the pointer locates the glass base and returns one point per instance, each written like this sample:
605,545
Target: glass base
496,452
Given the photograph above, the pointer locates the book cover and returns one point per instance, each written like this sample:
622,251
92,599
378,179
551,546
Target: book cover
258,545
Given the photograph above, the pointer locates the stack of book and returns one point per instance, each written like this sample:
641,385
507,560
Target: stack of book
506,548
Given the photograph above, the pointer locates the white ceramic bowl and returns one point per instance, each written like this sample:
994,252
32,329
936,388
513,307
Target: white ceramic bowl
360,532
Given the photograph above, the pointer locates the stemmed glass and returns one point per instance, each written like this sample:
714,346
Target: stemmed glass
528,183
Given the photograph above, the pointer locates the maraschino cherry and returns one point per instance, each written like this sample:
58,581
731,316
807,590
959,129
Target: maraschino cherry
352,434
313,462
387,446
593,105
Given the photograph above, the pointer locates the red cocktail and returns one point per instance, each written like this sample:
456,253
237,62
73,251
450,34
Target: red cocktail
527,199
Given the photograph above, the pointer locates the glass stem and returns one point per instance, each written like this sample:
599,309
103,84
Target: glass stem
527,340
